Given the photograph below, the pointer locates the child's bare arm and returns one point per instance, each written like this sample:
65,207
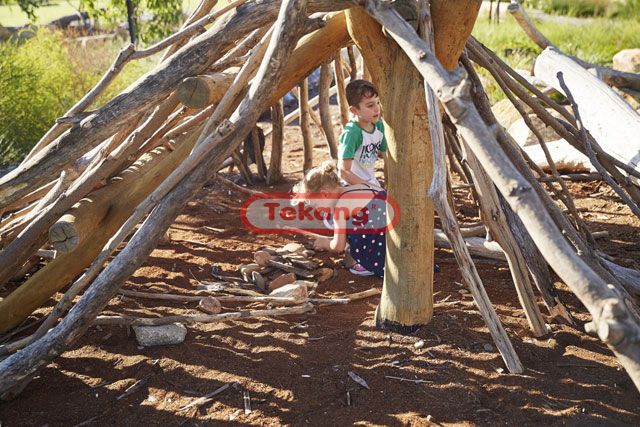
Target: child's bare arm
344,171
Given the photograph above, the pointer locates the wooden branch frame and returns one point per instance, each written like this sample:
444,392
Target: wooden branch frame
613,321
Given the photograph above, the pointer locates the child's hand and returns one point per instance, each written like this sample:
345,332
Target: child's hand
322,244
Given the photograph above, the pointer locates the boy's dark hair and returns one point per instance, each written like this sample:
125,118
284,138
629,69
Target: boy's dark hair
357,89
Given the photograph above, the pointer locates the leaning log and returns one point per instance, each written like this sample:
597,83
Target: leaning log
301,62
199,91
94,220
608,117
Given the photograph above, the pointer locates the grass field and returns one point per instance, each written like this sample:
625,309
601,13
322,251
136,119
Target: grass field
595,41
12,16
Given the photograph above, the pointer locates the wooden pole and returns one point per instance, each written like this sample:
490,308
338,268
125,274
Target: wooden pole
342,95
353,64
307,143
257,153
407,297
277,135
324,85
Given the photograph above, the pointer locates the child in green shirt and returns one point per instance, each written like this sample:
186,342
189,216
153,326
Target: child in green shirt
362,139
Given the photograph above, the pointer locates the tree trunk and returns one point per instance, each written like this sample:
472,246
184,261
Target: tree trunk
407,297
452,25
307,143
342,96
277,135
324,85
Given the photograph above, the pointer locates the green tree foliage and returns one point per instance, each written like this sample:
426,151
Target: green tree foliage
43,77
153,18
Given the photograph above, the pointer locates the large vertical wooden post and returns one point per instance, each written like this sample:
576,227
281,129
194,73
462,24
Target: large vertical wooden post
406,303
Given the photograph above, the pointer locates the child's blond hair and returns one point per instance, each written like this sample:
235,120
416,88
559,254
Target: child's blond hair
322,176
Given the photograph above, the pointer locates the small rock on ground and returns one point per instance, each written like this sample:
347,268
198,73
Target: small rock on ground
149,336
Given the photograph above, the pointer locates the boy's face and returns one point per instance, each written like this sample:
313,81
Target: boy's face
368,109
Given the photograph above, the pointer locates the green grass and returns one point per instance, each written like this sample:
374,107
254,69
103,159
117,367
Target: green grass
12,16
583,8
596,41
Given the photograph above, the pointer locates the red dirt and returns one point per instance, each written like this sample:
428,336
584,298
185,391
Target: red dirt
296,368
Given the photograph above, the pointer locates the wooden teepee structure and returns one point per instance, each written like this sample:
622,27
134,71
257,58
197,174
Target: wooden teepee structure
142,156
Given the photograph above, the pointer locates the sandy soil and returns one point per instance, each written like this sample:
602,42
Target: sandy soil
296,368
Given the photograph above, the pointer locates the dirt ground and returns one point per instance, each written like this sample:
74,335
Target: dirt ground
295,369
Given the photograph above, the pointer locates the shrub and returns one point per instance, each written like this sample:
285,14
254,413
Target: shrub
40,79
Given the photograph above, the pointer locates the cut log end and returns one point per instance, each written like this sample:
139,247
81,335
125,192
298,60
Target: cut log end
200,91
64,236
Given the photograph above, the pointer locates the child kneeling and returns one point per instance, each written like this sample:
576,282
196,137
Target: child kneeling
359,217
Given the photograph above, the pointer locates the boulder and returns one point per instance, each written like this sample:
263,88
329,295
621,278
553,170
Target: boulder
627,60
149,336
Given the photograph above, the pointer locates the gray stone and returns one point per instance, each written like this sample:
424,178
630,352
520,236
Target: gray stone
525,137
627,60
149,336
